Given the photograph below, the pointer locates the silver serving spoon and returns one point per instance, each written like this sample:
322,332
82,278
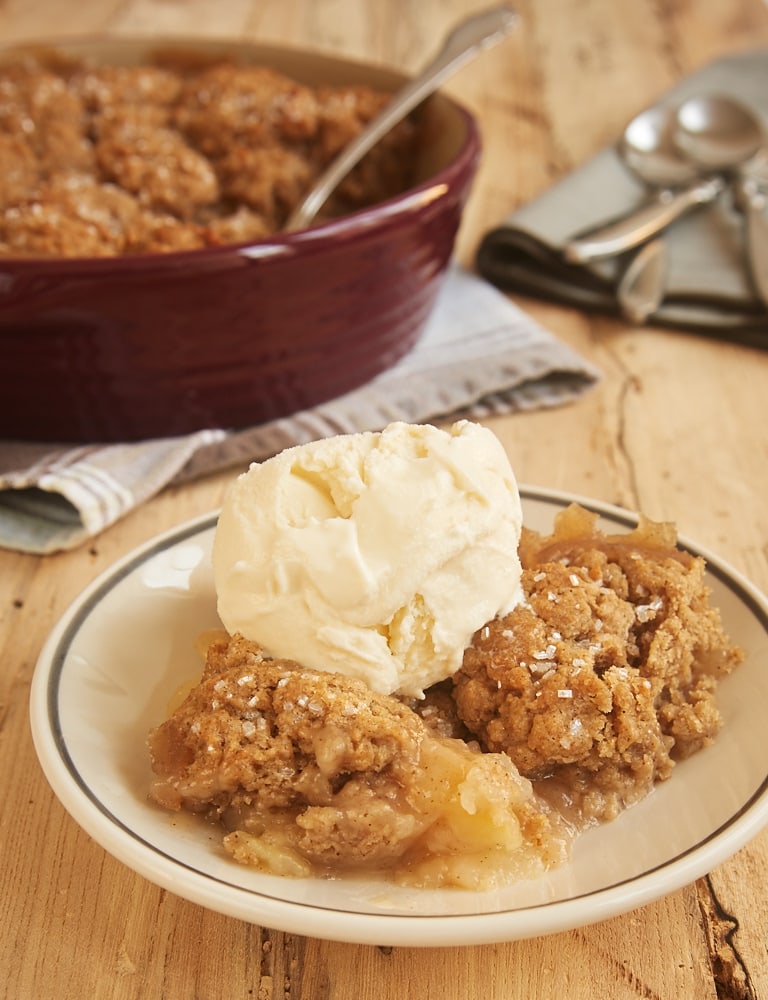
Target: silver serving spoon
464,41
670,148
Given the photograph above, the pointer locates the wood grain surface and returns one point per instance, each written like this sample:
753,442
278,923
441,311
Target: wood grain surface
678,427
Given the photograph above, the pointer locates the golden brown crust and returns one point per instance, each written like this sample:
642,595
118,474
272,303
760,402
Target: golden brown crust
258,726
191,149
606,674
314,772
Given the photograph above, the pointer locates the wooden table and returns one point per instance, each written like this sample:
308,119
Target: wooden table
676,428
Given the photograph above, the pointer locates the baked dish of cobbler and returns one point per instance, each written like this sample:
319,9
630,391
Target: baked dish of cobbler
564,711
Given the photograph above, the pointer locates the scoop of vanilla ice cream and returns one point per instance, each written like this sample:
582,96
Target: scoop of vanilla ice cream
376,555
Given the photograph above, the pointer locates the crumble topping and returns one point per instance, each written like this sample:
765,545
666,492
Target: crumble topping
312,772
606,674
564,711
109,160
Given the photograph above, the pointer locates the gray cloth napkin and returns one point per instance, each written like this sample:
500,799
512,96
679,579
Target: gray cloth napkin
708,285
478,356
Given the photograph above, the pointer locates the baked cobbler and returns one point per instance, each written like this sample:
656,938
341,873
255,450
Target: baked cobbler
606,674
564,712
314,773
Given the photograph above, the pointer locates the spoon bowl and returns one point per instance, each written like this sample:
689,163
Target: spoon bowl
649,148
716,132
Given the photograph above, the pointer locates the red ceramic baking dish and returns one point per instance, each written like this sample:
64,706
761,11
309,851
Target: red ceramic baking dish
159,344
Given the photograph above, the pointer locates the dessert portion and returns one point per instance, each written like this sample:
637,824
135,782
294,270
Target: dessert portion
314,773
376,555
606,674
410,687
108,160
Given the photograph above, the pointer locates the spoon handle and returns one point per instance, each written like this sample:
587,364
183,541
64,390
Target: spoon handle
474,34
646,222
756,212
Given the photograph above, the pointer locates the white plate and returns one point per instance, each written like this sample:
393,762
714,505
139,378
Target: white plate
108,670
